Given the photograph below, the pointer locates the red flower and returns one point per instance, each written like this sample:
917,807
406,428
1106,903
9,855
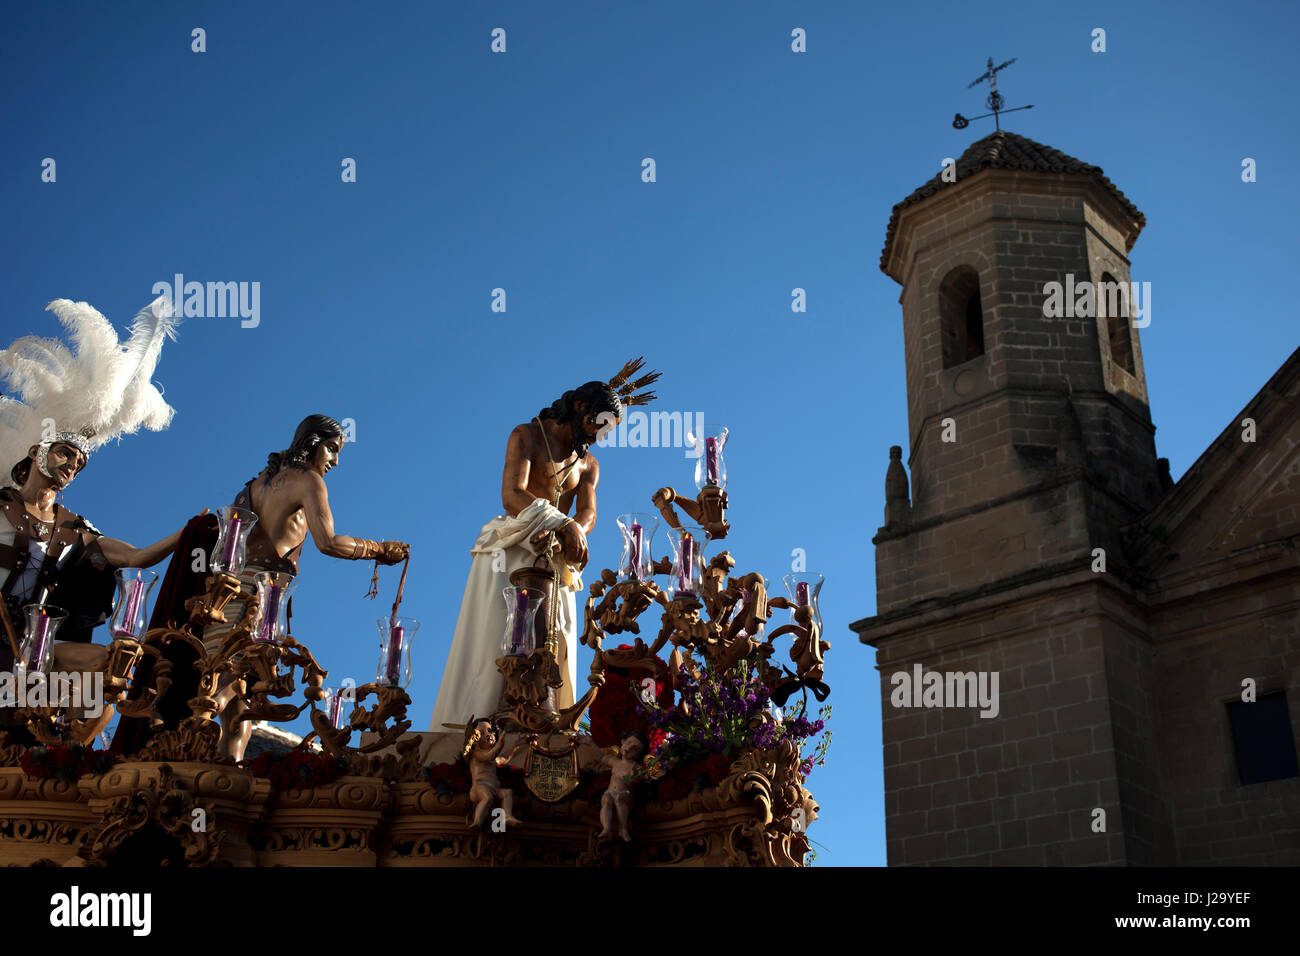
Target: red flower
697,775
449,778
64,762
716,768
298,769
614,710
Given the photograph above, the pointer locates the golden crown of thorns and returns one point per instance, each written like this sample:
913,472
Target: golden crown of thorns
627,390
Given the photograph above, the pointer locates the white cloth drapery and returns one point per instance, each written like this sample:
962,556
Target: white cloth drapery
471,683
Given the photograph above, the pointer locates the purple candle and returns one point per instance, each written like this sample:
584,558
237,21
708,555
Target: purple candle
801,593
270,614
227,558
637,532
520,627
711,460
41,628
336,705
393,662
131,617
687,564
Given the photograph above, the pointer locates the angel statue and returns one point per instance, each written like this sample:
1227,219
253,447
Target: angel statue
483,752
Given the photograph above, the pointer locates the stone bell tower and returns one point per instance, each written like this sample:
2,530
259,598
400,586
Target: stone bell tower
1031,446
1028,419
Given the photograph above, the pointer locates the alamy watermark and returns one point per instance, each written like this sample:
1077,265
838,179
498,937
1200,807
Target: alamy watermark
83,690
1081,299
951,689
641,429
82,909
214,300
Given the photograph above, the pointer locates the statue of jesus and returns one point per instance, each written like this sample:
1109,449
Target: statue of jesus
548,469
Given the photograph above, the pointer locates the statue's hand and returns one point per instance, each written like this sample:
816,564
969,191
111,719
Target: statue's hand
393,552
575,544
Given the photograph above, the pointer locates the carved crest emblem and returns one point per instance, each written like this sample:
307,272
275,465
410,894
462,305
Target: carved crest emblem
551,775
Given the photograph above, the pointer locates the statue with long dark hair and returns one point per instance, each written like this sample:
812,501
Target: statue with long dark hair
290,500
548,471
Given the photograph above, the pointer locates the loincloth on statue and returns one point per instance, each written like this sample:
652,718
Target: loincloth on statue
237,609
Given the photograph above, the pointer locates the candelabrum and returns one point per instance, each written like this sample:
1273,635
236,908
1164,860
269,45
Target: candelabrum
717,624
244,673
70,691
385,720
707,611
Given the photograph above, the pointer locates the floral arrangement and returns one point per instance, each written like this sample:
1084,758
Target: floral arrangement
298,769
65,762
720,715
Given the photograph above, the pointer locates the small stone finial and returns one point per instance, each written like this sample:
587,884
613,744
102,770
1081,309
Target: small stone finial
1166,479
898,507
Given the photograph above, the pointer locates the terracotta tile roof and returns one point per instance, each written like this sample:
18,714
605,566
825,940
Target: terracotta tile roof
1006,150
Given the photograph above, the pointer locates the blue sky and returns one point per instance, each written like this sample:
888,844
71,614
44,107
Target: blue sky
522,171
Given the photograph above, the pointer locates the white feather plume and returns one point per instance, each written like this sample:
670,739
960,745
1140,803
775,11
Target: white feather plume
100,382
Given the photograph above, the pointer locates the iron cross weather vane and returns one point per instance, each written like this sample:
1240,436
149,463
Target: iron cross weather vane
995,100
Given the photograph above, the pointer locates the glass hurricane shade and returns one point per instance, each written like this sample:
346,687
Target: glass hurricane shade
232,540
335,706
272,621
43,622
520,636
804,589
688,544
638,530
710,467
395,637
133,588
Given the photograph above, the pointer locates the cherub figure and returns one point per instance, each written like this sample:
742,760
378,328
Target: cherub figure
483,748
618,796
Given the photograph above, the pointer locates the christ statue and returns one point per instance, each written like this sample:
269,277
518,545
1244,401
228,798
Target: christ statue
549,469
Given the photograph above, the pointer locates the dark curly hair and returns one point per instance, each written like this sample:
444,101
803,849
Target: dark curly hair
313,430
598,398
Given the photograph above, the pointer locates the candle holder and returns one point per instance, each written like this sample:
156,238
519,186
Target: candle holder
271,626
687,575
133,588
709,509
804,589
710,467
232,540
637,561
541,580
520,637
335,706
36,652
396,635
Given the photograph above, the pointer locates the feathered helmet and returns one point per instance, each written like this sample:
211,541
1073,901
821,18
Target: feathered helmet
87,395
